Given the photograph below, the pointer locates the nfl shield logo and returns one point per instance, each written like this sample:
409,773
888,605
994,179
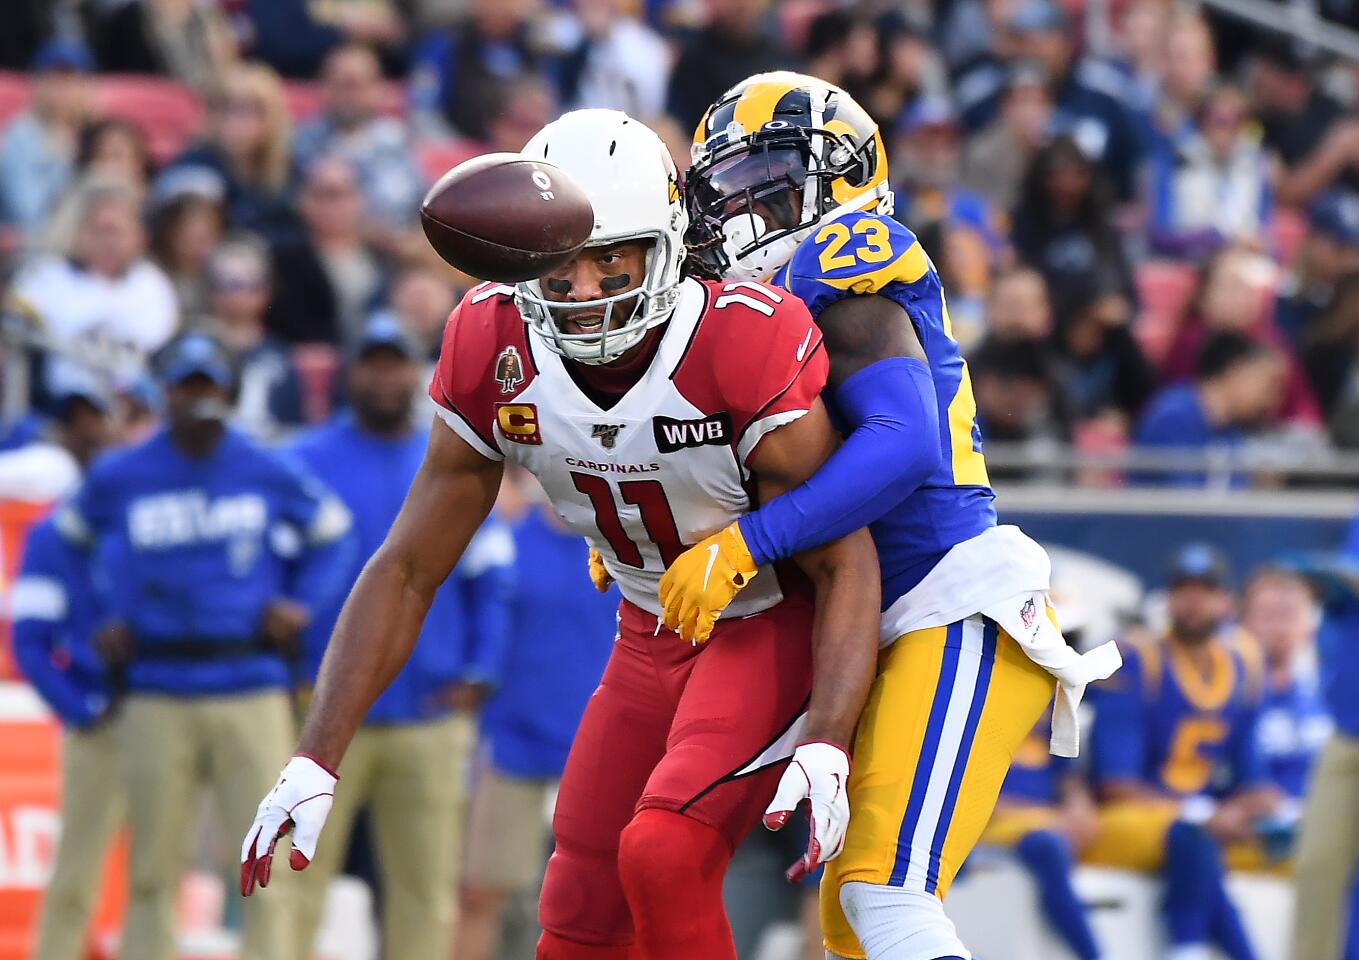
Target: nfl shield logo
1028,613
606,434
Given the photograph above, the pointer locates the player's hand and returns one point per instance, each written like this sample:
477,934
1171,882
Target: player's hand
1231,822
819,772
599,574
114,643
702,581
282,623
299,802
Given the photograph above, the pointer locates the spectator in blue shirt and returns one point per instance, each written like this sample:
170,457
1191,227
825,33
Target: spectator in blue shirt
1086,93
562,634
459,73
408,761
1329,253
351,125
37,149
248,145
1210,183
268,396
1280,612
55,611
293,36
226,551
1238,386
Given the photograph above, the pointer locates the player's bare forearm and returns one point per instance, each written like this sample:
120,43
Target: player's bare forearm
377,629
847,581
844,635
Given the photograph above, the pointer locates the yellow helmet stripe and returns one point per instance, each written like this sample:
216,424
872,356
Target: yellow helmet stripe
757,103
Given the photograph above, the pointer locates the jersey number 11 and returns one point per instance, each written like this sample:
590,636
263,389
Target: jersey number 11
648,496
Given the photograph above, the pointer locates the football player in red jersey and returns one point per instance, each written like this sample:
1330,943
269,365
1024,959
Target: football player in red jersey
654,410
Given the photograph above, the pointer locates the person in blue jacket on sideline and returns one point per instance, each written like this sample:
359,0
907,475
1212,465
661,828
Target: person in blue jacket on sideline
408,761
55,609
562,633
226,551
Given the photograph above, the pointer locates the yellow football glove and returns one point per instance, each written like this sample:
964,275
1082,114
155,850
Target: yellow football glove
599,574
702,581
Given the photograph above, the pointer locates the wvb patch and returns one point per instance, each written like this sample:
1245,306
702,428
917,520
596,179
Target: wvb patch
673,435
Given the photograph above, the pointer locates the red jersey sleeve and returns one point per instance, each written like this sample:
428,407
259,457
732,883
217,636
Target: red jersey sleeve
758,355
484,361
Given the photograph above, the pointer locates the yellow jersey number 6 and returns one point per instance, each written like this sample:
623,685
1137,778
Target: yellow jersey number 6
877,246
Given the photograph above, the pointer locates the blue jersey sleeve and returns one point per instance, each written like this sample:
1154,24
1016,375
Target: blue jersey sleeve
1118,742
41,604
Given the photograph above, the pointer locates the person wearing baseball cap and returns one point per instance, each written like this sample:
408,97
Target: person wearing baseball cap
406,761
226,549
240,289
1329,253
1176,757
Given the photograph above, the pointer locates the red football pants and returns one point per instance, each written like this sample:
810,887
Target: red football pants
702,731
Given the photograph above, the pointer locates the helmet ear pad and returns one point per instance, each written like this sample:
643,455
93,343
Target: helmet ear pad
862,164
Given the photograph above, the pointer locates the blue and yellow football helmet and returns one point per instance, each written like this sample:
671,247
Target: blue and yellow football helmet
776,155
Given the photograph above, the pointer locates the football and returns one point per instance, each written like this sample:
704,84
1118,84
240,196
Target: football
506,217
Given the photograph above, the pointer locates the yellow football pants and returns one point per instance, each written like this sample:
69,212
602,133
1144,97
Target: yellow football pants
949,708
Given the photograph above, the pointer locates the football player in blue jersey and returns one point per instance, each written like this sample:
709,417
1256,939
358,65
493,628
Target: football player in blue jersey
789,185
1177,763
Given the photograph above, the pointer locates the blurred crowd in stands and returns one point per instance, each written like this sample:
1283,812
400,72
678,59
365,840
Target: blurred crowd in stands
1150,241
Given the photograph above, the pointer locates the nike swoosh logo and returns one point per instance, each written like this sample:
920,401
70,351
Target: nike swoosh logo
712,558
802,350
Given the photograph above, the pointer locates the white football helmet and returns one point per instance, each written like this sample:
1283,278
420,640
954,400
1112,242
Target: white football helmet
631,181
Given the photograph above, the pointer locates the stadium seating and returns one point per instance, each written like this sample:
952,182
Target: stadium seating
1165,289
168,114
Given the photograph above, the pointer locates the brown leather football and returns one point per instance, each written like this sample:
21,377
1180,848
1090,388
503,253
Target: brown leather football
506,217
